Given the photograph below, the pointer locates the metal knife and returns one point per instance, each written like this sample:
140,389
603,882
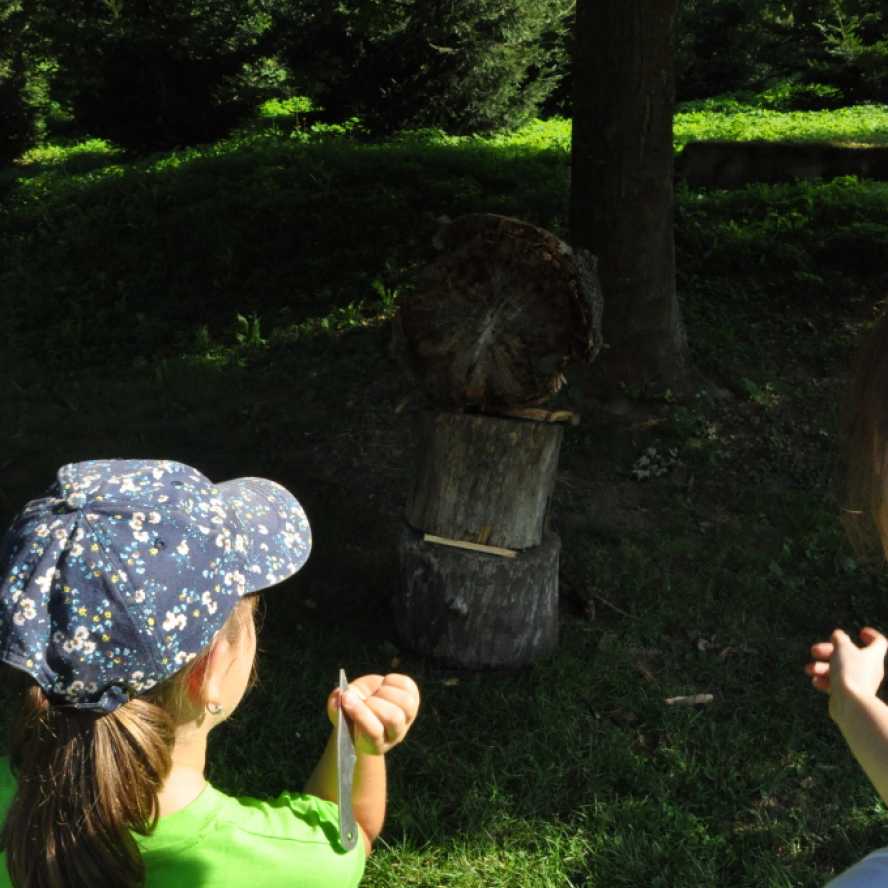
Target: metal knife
345,774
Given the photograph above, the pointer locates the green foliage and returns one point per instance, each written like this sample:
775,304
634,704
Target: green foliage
783,96
18,115
24,82
459,67
245,226
733,120
292,107
247,331
790,95
150,75
854,38
269,194
720,46
785,48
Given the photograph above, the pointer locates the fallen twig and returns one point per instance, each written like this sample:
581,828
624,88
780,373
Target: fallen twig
611,605
691,700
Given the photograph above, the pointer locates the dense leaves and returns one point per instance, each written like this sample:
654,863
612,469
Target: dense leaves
151,74
159,73
794,45
464,67
23,81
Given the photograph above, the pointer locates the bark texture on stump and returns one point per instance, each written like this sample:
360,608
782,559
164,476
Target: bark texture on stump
477,611
496,317
483,479
621,182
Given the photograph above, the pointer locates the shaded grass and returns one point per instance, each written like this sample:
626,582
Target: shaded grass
121,288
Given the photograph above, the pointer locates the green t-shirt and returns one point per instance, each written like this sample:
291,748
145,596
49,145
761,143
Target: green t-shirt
221,841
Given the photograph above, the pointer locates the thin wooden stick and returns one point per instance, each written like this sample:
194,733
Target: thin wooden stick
611,605
472,547
690,700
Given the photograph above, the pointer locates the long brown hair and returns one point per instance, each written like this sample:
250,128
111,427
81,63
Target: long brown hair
865,478
87,781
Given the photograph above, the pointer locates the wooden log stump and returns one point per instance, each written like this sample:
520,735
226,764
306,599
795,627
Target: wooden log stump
497,316
477,611
483,479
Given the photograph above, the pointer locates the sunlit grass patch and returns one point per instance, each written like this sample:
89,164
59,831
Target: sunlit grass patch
861,124
523,853
57,154
285,107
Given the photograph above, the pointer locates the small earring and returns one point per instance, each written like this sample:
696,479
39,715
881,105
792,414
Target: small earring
214,708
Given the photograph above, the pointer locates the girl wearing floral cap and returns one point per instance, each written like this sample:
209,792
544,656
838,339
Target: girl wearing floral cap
126,605
851,671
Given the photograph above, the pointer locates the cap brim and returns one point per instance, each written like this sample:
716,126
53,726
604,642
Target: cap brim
276,528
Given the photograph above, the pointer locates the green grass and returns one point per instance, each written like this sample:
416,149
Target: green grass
862,124
229,306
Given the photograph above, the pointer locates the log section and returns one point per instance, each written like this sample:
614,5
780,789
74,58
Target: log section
496,317
477,611
483,479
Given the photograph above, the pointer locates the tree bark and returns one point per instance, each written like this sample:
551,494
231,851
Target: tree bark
477,611
483,479
621,189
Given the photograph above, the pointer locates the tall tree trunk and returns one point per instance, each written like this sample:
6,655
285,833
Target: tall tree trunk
621,190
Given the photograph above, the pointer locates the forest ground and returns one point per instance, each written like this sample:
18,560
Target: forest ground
229,306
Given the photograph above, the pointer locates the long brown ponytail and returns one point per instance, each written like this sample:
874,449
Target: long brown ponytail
86,781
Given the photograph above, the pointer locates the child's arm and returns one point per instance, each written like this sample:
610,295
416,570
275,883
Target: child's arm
381,709
851,675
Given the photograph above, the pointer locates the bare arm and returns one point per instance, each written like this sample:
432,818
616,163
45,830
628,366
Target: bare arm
864,725
851,675
368,789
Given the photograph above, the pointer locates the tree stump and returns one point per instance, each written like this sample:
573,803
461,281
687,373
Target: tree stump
496,318
483,479
491,327
478,611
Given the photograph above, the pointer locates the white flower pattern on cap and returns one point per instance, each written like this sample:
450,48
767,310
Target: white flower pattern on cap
125,569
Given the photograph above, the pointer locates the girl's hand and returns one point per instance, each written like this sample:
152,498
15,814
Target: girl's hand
845,671
381,710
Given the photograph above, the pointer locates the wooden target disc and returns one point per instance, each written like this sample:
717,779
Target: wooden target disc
497,316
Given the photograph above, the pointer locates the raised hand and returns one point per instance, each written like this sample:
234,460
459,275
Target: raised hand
843,670
381,710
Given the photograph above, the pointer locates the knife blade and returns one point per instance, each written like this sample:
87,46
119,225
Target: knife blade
345,774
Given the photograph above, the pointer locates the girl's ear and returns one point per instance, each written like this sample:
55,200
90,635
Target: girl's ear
214,670
196,681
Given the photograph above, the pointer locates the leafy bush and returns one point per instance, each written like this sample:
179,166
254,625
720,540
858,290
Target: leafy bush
784,95
151,75
24,74
791,95
721,46
428,63
18,116
727,45
854,39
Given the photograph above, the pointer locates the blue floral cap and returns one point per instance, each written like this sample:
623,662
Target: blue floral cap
124,571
